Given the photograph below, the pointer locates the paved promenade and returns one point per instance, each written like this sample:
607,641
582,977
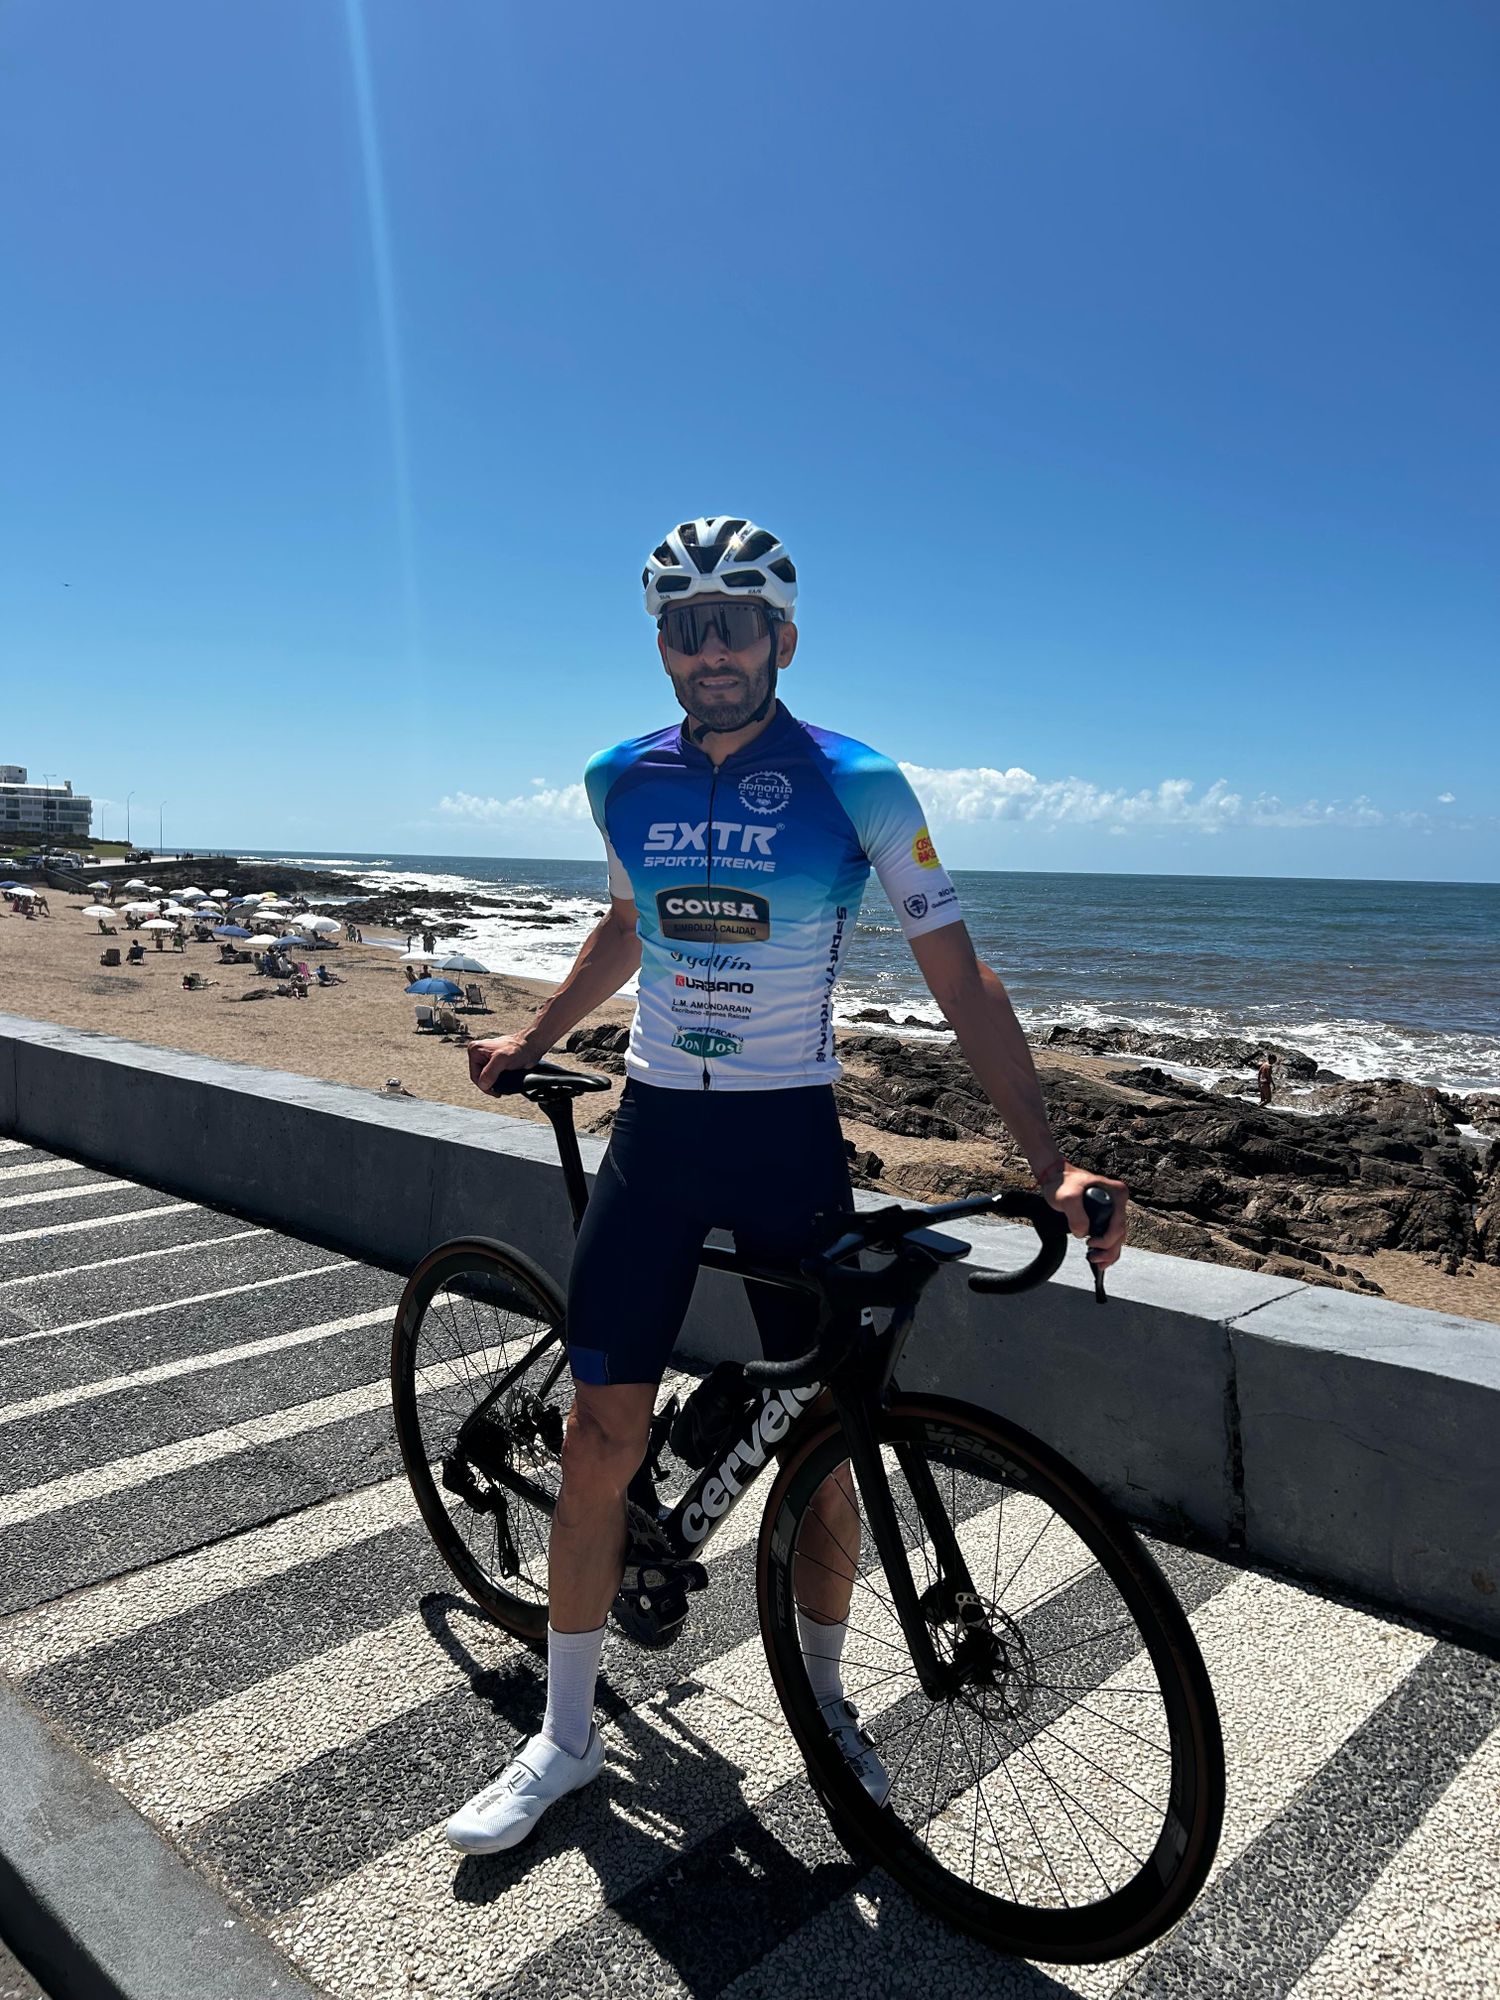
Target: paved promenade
213,1585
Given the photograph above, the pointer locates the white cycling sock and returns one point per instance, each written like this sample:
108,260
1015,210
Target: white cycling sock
822,1655
572,1669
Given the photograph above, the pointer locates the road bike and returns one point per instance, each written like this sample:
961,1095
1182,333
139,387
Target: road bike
1019,1662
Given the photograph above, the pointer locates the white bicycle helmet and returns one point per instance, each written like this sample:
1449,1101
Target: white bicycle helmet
719,553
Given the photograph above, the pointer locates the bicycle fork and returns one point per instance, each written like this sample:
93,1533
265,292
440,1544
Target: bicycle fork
875,1492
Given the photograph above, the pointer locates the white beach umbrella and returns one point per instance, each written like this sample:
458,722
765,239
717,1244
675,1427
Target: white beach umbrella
136,909
158,924
190,895
218,892
259,941
415,958
97,910
325,924
98,885
250,899
136,882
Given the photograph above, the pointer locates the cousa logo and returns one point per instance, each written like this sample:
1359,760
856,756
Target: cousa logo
709,914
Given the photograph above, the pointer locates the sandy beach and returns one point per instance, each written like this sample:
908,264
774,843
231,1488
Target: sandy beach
363,1032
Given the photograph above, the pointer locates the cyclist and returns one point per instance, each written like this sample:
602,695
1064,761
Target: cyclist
738,845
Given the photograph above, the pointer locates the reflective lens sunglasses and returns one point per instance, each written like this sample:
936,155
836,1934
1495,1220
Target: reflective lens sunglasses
686,627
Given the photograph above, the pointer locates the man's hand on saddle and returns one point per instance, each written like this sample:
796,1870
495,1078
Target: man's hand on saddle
1065,1192
489,1058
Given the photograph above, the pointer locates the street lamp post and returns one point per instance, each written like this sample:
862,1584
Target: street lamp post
128,797
160,842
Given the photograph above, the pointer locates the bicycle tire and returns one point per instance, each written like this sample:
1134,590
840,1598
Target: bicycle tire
446,1359
1133,1911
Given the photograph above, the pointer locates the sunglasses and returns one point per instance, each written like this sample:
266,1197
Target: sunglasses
687,627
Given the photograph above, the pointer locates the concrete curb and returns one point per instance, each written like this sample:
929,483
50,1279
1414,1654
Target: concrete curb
94,1902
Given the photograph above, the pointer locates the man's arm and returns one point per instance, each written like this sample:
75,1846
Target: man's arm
977,1004
609,955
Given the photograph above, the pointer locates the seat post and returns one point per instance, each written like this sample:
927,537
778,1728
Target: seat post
558,1108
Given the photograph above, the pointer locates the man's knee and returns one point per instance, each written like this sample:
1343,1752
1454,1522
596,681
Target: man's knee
606,1436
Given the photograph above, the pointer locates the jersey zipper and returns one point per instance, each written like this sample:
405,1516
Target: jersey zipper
713,944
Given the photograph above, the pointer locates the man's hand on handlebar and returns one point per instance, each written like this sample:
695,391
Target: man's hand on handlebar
490,1058
1066,1195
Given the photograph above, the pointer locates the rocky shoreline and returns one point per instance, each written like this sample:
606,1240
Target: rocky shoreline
1378,1165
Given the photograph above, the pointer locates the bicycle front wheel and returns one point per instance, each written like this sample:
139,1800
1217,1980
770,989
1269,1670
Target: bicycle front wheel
481,1388
1059,1792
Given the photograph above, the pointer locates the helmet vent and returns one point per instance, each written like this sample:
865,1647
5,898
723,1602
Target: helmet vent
783,568
755,545
744,579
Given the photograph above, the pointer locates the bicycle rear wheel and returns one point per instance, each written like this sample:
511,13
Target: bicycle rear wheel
481,1388
1061,1795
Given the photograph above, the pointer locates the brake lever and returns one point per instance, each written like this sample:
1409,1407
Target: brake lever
1098,1207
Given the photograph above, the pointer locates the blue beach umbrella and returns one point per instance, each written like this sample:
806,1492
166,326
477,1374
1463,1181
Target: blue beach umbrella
444,987
230,930
302,941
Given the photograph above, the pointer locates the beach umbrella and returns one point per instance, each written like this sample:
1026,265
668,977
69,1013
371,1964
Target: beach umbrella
97,910
415,958
98,885
261,940
218,892
248,899
136,882
158,924
8,885
21,890
135,909
195,894
456,962
230,930
445,987
326,925
293,940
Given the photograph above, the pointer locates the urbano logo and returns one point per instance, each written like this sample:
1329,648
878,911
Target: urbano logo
714,985
766,792
706,915
776,1417
706,1042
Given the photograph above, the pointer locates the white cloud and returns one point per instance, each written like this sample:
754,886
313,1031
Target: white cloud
1445,798
545,802
980,793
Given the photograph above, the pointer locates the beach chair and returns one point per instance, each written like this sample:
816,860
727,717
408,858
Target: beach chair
424,1020
475,1001
110,956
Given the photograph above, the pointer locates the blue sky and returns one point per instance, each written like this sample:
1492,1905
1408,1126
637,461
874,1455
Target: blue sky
1122,379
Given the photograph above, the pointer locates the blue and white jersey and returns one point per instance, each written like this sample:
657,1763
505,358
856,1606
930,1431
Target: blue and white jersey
748,879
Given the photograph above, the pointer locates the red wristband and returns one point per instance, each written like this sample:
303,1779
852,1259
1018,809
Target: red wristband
1054,1172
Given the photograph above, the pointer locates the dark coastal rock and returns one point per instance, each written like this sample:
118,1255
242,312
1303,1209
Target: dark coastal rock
1198,1051
601,1047
1480,1109
1381,1167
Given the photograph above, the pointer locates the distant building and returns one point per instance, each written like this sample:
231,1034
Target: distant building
41,812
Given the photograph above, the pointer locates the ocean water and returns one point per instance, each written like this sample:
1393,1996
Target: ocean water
1369,978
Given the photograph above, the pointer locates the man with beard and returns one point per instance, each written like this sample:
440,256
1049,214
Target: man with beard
738,843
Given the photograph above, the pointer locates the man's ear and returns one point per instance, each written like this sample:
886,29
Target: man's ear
786,645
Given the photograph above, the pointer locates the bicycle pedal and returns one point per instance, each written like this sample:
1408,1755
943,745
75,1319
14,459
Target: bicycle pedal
652,1604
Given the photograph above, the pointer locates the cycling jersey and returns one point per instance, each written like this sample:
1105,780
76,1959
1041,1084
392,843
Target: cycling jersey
748,878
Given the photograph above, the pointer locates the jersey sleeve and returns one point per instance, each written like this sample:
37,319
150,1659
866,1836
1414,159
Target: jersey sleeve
894,836
596,782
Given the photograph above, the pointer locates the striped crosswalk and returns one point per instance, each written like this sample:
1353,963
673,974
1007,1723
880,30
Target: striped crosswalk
214,1581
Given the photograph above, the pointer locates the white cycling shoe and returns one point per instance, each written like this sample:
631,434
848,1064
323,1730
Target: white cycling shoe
860,1754
509,1807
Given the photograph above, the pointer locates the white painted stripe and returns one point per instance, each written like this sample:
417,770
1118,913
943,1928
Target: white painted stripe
34,1169
133,1257
192,1364
107,1184
1283,1718
122,1474
37,1638
1428,1924
94,1222
16,1146
160,1306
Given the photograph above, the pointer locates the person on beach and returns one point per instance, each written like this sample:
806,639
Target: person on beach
727,1119
1265,1078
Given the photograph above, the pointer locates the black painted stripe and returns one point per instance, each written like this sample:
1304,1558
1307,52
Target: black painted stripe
163,1279
54,1553
103,1197
180,1664
179,1224
1265,1921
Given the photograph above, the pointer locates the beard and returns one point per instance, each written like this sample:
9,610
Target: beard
726,709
